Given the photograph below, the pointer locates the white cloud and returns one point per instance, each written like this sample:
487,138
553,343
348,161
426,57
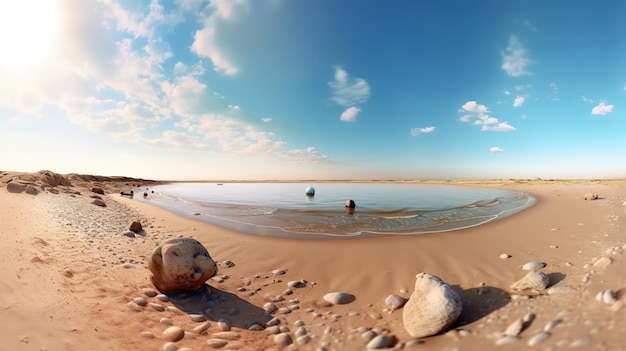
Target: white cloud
515,58
205,43
476,114
501,127
349,115
506,92
348,91
602,109
519,101
495,149
266,119
136,24
425,130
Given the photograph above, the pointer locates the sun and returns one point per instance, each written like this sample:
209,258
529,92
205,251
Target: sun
27,31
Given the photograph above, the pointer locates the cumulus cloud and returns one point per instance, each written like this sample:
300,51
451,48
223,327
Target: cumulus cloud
602,109
349,115
425,130
348,91
515,58
519,101
205,43
477,114
495,149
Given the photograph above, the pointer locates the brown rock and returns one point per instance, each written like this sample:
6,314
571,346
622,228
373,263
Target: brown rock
181,264
15,187
97,191
135,227
99,202
31,190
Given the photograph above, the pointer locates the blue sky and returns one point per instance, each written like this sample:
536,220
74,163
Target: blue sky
314,89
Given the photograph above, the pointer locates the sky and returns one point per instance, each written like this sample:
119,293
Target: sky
314,89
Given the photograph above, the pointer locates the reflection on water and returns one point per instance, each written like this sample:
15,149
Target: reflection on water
283,209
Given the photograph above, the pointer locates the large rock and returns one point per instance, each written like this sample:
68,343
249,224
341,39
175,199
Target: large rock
431,308
180,265
15,187
136,227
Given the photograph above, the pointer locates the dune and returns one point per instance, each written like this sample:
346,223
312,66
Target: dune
72,280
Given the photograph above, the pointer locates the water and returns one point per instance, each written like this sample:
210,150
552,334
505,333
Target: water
283,209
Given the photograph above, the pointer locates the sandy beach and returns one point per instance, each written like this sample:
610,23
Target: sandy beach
72,281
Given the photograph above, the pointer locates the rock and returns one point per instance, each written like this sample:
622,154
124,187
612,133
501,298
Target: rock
309,191
173,334
31,190
514,328
603,262
394,302
283,339
216,343
506,340
339,298
591,196
181,264
533,266
99,202
15,187
505,256
380,342
432,307
97,191
135,227
538,339
536,281
297,284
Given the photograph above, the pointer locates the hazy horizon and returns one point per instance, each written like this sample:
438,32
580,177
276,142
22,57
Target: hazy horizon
304,90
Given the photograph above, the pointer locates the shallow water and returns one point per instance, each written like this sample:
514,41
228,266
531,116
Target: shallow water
283,209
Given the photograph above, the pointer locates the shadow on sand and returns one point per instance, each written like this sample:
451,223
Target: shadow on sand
217,304
479,302
555,278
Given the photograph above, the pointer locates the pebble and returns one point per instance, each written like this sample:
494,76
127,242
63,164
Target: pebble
301,331
273,321
607,297
147,335
163,298
552,324
534,280
202,327
538,339
380,342
603,262
283,339
157,307
224,324
303,340
394,302
368,335
297,284
229,263
255,326
339,298
533,266
170,346
514,328
175,309
509,339
173,333
197,317
270,307
150,292
166,321
216,343
278,272
505,256
133,306
227,335
580,342
273,330
140,301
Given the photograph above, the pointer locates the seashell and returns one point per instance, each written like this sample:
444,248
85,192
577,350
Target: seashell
535,280
533,266
432,307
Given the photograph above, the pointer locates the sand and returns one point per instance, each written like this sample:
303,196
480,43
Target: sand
69,276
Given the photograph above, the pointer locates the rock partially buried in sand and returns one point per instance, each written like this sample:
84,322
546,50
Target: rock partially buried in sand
181,264
339,298
431,308
136,227
533,266
15,187
535,281
591,196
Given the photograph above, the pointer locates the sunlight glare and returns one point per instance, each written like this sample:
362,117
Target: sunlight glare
27,31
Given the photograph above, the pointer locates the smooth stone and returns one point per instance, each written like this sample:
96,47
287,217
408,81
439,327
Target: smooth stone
533,266
272,330
202,327
538,339
227,335
163,298
170,346
216,343
303,340
394,302
147,335
140,301
173,333
150,292
432,307
505,256
283,339
166,321
552,324
379,342
296,284
507,340
514,328
224,324
339,298
197,317
157,307
270,307
603,262
534,280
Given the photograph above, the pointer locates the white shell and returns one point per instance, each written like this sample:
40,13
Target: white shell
432,307
535,280
533,266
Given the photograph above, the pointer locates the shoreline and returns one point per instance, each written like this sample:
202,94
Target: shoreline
62,248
